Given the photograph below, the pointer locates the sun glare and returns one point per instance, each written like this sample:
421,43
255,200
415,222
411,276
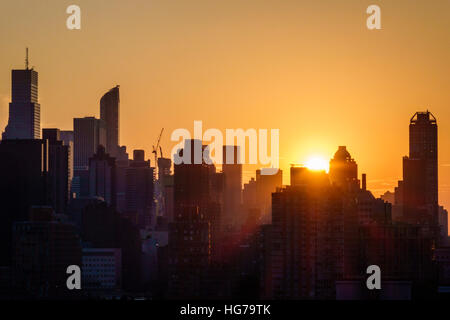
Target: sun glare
317,163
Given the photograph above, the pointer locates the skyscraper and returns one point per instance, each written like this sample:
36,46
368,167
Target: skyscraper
24,110
344,170
109,113
58,173
23,183
420,170
67,139
232,195
192,234
139,189
88,134
307,246
102,176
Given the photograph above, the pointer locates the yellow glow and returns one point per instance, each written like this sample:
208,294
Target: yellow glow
317,163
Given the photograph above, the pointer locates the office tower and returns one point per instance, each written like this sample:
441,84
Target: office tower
307,245
58,170
420,171
232,193
109,113
23,183
67,139
102,176
139,182
196,217
43,249
24,110
344,170
88,134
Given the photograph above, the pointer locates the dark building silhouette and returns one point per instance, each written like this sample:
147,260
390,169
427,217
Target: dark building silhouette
23,183
265,185
420,171
232,193
88,134
165,185
109,113
102,176
344,170
103,227
139,190
67,139
43,249
24,110
58,172
193,232
307,248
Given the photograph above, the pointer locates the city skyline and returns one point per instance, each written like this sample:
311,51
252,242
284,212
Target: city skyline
181,70
221,157
314,161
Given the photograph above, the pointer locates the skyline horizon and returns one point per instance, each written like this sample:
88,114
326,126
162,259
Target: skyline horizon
252,65
247,172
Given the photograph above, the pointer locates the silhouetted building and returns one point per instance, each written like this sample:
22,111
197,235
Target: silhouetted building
58,170
192,235
43,249
24,110
164,191
88,134
442,255
23,183
443,223
232,191
109,113
265,185
389,196
344,170
402,251
419,197
139,183
102,176
67,139
103,227
307,244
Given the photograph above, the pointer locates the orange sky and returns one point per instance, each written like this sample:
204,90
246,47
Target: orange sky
311,69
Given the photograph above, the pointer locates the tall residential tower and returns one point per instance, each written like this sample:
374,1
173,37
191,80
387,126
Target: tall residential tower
109,113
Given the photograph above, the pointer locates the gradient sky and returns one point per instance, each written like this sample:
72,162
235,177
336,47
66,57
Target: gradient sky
310,68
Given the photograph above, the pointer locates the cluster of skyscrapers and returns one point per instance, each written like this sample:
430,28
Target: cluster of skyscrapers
74,197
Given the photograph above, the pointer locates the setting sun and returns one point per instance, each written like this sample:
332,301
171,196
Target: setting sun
317,163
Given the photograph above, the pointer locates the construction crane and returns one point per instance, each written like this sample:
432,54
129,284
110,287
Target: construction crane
155,151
